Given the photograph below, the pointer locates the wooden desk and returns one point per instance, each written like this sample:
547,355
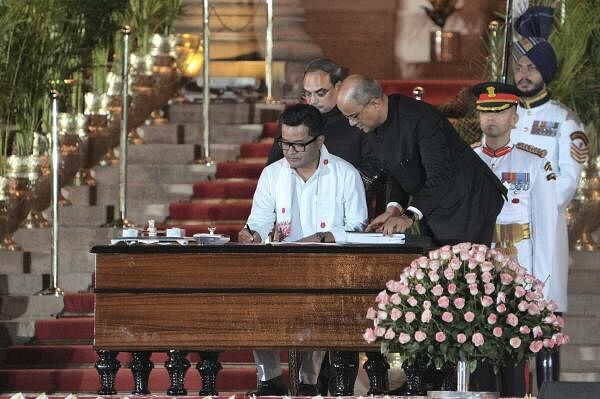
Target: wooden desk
235,297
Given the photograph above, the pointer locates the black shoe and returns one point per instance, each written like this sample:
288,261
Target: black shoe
307,390
272,387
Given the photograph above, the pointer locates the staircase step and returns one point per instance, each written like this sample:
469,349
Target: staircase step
219,113
65,329
166,154
63,356
211,211
583,281
580,376
225,188
269,129
87,380
579,329
29,306
239,169
70,238
585,260
236,133
155,173
253,150
78,302
170,133
223,152
580,357
584,305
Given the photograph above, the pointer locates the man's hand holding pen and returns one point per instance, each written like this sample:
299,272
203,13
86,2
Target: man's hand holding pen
248,236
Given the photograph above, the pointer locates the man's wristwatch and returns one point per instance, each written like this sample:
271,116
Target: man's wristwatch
321,236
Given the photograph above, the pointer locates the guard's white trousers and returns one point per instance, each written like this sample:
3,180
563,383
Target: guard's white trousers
268,365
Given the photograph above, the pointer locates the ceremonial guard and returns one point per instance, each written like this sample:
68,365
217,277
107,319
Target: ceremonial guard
526,225
549,125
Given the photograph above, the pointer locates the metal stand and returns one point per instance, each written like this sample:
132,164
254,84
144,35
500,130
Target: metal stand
206,159
54,289
507,41
122,221
269,54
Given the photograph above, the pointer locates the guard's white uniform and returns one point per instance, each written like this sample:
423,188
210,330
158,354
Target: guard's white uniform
531,200
549,125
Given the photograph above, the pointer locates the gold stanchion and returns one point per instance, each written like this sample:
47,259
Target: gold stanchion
493,30
269,53
418,93
54,289
206,160
122,221
507,41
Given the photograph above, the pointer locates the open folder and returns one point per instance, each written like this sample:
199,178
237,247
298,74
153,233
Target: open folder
357,237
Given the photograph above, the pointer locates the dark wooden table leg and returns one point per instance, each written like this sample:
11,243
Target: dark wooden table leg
107,366
141,366
377,368
209,367
177,365
294,371
345,370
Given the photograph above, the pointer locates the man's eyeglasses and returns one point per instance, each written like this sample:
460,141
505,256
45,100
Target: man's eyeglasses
319,93
298,147
356,116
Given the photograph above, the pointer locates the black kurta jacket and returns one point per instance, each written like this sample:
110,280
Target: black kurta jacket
434,170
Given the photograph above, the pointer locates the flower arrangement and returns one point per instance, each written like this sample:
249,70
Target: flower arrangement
464,302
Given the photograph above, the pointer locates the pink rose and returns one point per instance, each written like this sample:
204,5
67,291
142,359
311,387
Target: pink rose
471,278
451,288
395,314
488,288
389,334
524,330
403,338
381,315
426,316
469,316
412,301
501,297
486,267
379,331
549,343
487,301
480,257
409,317
552,306
501,308
382,298
395,299
461,338
445,254
512,320
515,342
426,304
537,331
420,289
419,275
459,303
420,336
506,278
443,302
536,346
434,254
437,290
433,276
447,317
519,291
393,285
449,273
371,314
523,305
533,309
477,339
369,335
497,332
422,262
473,289
440,336
492,318
454,263
550,319
472,264
486,277
464,254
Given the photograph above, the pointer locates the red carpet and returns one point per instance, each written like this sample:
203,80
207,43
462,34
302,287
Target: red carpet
255,150
231,210
243,170
437,91
225,188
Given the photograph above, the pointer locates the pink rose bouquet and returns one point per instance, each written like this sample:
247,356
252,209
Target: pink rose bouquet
465,302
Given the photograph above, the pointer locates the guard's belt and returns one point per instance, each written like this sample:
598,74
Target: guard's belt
511,234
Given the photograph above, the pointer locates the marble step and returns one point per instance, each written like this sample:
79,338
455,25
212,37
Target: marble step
156,173
170,133
25,262
584,305
583,281
29,306
584,375
583,260
70,238
30,284
236,133
218,113
583,330
580,357
165,154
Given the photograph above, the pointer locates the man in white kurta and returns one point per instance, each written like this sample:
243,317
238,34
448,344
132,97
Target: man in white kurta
310,195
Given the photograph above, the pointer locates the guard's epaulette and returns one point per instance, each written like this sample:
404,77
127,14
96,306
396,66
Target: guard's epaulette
532,149
476,144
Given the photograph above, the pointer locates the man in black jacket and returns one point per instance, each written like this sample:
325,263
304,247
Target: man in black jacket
436,177
322,78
